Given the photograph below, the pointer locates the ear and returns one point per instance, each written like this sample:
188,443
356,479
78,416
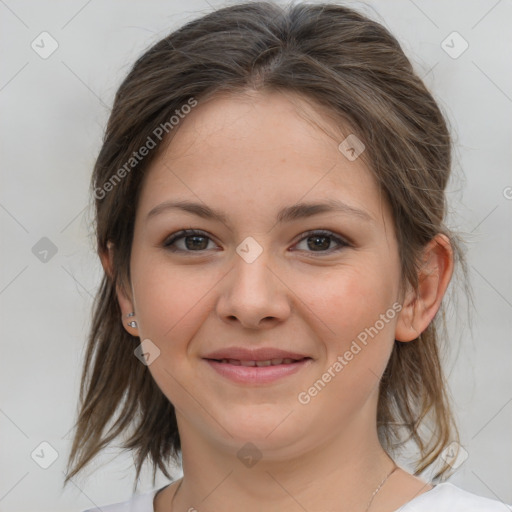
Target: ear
419,308
125,299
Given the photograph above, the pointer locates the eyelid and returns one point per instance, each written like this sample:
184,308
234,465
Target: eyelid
184,233
325,232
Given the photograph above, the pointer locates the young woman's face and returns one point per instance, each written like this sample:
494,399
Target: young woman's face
264,279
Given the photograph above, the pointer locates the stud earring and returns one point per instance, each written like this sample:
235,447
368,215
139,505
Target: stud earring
132,323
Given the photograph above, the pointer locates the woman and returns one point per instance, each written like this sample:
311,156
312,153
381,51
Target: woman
270,198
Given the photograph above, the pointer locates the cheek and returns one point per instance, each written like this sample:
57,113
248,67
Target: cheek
354,316
355,319
351,299
171,305
171,301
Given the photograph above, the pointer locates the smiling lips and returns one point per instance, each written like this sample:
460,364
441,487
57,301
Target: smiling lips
253,354
267,362
261,365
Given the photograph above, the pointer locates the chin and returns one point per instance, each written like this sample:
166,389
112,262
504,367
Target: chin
269,432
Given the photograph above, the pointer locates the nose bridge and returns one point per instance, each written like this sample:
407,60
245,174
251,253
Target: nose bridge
251,267
251,291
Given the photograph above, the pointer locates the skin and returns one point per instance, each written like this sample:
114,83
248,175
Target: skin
250,155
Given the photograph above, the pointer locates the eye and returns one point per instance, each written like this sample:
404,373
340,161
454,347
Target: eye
321,239
195,241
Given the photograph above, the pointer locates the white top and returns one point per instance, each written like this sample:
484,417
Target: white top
444,497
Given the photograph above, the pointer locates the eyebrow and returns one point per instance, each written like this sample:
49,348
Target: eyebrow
286,214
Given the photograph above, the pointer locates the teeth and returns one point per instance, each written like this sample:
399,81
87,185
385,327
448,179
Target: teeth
269,362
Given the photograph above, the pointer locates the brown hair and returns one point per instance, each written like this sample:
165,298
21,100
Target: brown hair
341,60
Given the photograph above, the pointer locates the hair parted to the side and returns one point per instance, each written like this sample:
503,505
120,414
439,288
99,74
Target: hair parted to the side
341,61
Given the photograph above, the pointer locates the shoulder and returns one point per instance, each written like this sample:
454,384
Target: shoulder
137,503
447,497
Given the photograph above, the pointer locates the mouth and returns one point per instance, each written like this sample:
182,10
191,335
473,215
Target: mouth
257,372
259,363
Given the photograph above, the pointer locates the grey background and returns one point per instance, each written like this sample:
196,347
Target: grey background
53,114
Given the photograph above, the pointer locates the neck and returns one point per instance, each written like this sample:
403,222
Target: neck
340,473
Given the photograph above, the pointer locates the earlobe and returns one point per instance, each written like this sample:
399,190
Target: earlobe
419,308
127,310
125,301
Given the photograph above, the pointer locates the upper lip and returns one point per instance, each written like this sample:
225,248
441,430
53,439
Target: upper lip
254,354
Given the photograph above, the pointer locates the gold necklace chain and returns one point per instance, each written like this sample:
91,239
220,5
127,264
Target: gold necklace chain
395,467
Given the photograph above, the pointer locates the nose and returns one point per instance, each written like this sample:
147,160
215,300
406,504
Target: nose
253,294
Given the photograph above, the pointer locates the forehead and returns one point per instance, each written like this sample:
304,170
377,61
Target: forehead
286,122
259,148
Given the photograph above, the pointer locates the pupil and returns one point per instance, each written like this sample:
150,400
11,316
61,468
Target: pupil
319,237
195,244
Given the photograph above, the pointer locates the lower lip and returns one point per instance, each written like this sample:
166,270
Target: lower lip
257,374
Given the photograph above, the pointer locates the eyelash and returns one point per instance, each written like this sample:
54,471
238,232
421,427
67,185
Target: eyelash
194,232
